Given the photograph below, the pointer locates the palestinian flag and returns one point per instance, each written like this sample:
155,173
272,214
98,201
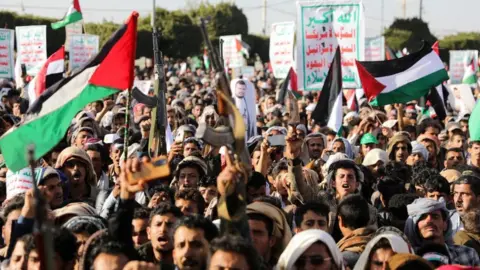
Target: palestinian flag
289,84
206,61
74,14
243,47
403,79
351,98
50,73
328,111
438,100
47,121
469,77
435,48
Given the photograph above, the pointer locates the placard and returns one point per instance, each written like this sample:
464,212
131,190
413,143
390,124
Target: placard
322,26
281,48
7,66
31,47
375,49
232,57
21,181
82,48
72,29
458,64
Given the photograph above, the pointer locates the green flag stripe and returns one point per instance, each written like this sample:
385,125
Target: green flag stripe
70,18
46,131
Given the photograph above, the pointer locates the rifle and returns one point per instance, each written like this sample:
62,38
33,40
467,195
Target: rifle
231,208
42,230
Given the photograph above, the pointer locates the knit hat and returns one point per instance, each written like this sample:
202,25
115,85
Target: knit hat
419,148
368,138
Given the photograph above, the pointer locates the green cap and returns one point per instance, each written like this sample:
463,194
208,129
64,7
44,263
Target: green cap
368,138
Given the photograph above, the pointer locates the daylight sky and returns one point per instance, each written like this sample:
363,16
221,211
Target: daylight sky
443,17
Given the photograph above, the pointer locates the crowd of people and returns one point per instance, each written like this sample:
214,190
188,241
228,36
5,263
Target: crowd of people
396,188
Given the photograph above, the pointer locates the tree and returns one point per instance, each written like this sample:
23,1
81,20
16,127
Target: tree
413,31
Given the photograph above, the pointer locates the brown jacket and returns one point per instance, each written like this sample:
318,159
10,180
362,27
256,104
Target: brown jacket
357,240
464,238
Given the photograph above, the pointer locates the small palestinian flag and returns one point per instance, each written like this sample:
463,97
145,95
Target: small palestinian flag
47,121
243,47
74,14
403,79
438,100
328,111
469,77
289,84
50,73
351,97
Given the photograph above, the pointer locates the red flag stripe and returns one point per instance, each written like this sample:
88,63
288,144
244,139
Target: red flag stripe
371,86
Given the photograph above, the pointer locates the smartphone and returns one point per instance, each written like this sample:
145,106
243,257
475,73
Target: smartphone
277,140
151,170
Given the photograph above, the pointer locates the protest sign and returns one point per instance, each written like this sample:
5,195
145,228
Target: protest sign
72,29
232,57
21,181
82,48
31,47
7,65
459,63
375,49
461,98
322,26
281,48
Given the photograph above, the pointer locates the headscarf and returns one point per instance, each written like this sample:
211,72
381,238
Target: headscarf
398,244
75,152
76,209
399,260
418,208
419,148
281,229
374,155
397,138
316,135
209,110
348,147
301,242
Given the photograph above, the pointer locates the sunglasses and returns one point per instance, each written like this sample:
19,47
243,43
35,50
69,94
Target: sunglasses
314,260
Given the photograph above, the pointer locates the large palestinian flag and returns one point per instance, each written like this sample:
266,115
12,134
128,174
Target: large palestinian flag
47,121
74,14
403,79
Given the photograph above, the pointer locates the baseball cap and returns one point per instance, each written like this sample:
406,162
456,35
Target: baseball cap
368,138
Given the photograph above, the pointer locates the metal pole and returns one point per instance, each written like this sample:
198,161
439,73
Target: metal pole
421,9
381,16
404,9
264,30
152,21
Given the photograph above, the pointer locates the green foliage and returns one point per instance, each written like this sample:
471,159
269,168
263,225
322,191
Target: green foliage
180,33
461,41
408,33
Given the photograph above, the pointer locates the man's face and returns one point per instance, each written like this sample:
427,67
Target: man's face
253,192
7,228
453,159
171,118
401,152
464,126
53,158
190,248
110,261
431,226
262,241
474,151
414,158
208,193
16,109
436,195
188,178
53,192
240,90
117,123
256,157
270,103
96,161
210,120
300,133
431,148
228,260
19,257
188,148
139,232
464,198
312,220
345,182
376,168
197,110
75,171
315,257
379,259
367,148
188,207
457,141
315,147
338,147
432,131
157,198
82,138
160,232
115,154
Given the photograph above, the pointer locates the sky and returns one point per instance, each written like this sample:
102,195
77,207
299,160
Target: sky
443,17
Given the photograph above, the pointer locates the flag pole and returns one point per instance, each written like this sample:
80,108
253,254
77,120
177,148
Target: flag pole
127,125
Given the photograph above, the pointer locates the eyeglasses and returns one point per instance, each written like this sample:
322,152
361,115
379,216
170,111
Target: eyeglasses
314,260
